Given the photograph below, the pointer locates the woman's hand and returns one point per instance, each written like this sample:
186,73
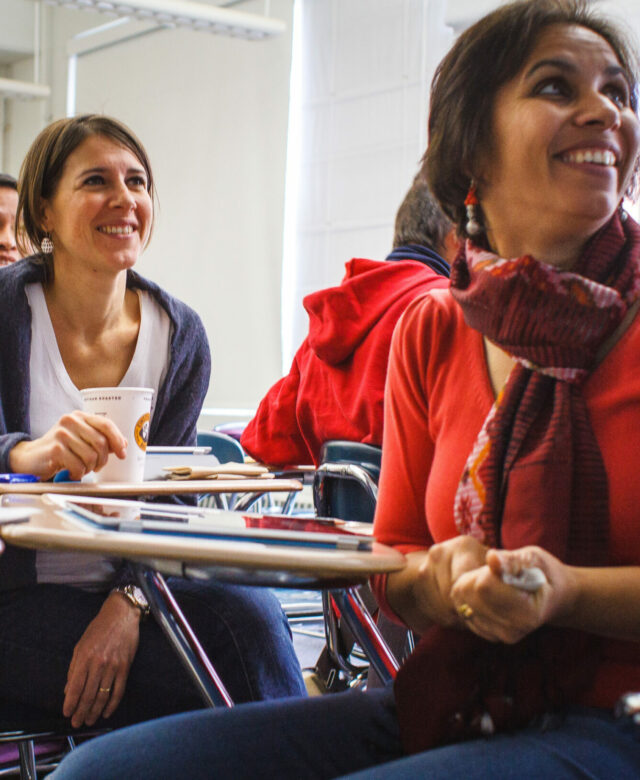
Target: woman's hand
505,613
421,593
79,442
101,661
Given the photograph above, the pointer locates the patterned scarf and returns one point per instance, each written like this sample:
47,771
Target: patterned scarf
535,476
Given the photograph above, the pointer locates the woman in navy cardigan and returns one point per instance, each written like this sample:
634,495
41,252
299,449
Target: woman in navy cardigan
76,315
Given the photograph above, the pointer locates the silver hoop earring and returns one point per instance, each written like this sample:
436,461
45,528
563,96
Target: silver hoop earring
46,245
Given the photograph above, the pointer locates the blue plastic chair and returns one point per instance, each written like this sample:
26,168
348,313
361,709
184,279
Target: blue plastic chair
224,447
226,450
346,481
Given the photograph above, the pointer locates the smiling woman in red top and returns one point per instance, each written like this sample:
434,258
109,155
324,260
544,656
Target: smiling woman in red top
512,398
512,417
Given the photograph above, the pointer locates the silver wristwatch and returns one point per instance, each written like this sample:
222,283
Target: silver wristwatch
135,596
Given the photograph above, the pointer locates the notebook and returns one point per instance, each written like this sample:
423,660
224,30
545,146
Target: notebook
171,519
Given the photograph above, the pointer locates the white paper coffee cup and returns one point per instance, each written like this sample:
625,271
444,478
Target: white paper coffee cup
129,408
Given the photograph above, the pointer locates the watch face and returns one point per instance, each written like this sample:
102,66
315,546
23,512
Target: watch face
139,596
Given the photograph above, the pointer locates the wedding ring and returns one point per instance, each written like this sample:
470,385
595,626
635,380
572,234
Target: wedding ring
465,611
104,690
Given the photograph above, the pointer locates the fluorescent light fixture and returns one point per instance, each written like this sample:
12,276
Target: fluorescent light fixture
9,88
185,13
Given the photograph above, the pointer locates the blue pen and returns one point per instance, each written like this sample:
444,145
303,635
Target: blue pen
18,478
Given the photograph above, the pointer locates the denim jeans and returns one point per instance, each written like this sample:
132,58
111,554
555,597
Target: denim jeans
353,735
243,630
585,744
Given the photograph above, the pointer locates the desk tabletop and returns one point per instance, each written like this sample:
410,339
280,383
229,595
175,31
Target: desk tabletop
251,562
167,487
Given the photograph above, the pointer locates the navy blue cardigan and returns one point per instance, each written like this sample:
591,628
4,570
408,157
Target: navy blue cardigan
178,403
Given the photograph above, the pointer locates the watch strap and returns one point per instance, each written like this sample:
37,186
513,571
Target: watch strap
135,595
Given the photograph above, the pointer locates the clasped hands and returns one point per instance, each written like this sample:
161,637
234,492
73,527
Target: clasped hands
458,583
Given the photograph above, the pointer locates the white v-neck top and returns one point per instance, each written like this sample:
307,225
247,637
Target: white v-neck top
53,394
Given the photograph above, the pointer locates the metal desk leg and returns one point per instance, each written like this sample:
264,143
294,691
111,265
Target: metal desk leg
167,612
27,755
362,626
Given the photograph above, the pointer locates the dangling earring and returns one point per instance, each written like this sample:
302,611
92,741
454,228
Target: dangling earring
46,245
623,214
473,227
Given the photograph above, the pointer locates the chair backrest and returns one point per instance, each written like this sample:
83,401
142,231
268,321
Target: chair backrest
346,481
225,448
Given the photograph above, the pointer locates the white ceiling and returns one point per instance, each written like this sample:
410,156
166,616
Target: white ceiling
16,29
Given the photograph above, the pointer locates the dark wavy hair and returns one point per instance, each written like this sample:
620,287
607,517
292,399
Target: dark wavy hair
485,57
44,163
420,220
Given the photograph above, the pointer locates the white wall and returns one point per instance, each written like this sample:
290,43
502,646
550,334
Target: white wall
212,112
362,112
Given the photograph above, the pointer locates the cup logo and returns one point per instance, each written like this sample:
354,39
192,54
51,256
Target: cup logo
141,432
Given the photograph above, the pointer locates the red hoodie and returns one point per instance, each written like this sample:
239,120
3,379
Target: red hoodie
335,387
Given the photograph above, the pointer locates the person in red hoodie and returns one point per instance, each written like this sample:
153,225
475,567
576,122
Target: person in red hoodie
335,387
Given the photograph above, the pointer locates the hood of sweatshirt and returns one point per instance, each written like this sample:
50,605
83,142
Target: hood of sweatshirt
341,317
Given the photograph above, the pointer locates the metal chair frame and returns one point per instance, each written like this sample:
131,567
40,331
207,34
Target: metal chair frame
346,607
354,612
26,741
176,628
351,471
331,609
29,764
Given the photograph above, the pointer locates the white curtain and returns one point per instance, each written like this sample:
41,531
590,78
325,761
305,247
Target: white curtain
361,72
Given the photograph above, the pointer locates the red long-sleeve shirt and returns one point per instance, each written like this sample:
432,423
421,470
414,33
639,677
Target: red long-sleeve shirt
438,395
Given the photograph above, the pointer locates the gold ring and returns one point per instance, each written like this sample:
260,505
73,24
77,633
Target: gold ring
104,690
465,611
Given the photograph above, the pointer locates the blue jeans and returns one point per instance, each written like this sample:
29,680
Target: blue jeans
243,630
351,734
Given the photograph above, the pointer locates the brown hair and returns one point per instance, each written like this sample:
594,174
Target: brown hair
420,219
485,57
43,166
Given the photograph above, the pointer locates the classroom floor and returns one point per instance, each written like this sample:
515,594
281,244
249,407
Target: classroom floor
307,629
308,641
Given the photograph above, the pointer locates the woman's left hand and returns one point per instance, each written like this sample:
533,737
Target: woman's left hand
505,613
101,661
